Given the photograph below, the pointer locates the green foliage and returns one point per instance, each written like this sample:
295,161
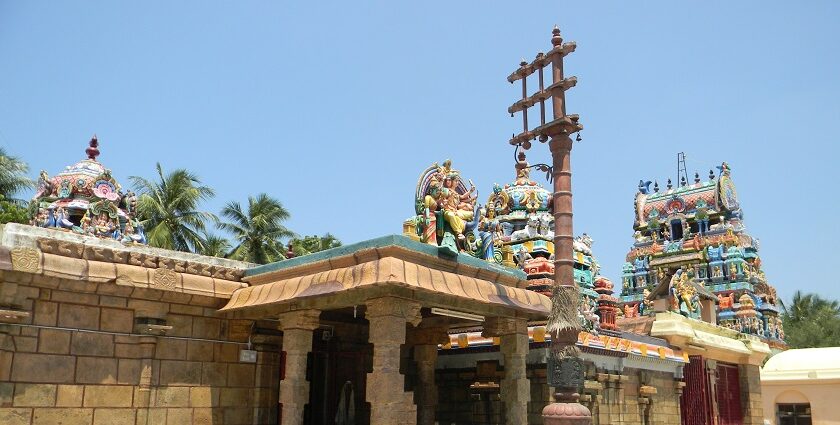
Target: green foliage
11,212
258,230
13,177
309,244
168,209
811,321
215,246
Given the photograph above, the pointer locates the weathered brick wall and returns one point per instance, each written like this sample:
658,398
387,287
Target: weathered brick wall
77,359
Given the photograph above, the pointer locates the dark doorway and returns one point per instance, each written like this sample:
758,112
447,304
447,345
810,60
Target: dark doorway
332,364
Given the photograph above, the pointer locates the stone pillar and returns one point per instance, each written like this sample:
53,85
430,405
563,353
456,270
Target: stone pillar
297,327
604,408
751,403
515,387
621,406
389,402
425,355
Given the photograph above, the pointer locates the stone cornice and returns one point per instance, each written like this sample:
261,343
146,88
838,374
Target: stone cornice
710,340
54,253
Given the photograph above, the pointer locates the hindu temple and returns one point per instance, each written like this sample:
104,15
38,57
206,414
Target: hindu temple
449,322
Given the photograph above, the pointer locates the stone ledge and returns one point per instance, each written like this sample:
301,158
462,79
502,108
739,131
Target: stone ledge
72,245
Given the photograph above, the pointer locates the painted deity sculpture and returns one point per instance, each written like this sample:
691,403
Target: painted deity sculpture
685,299
447,213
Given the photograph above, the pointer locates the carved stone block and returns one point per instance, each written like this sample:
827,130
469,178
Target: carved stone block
142,260
26,260
62,248
95,253
396,307
300,319
171,263
164,278
498,326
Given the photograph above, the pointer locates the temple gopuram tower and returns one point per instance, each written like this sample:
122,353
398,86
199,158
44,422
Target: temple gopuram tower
692,245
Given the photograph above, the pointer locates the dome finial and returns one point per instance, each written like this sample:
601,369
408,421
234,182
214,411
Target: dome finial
92,151
556,39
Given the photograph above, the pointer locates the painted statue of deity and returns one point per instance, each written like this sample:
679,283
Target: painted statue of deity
646,306
499,201
685,299
586,315
447,211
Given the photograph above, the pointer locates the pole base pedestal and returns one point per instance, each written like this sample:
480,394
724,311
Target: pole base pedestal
566,411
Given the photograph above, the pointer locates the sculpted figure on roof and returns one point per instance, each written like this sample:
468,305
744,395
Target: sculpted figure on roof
448,216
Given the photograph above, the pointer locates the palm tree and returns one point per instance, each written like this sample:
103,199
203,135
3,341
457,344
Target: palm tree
811,321
168,209
258,230
215,246
13,177
803,306
310,244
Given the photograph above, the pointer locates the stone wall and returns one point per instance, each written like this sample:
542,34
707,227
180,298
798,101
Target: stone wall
80,358
458,403
633,397
751,402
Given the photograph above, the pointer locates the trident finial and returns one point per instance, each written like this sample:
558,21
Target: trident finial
92,151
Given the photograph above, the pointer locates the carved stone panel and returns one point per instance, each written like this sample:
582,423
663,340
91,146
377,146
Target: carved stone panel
165,279
26,260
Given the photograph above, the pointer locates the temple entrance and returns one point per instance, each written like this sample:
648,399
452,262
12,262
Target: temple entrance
696,400
712,394
336,373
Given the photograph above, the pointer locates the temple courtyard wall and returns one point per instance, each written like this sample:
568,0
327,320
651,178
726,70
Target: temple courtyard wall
96,332
79,358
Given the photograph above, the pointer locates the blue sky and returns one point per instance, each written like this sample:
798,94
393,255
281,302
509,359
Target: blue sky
335,107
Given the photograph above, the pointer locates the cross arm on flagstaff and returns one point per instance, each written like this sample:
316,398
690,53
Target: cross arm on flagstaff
560,123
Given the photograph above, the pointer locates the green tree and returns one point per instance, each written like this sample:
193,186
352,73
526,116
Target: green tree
13,177
258,230
309,244
11,212
215,246
811,321
168,209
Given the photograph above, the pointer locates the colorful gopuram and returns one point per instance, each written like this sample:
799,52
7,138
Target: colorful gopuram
691,245
84,198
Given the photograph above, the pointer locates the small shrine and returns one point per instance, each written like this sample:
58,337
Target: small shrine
85,198
691,245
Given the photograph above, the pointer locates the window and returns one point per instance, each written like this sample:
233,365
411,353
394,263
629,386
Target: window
676,230
794,414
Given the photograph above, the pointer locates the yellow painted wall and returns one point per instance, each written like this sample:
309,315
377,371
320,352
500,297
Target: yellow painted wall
824,397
